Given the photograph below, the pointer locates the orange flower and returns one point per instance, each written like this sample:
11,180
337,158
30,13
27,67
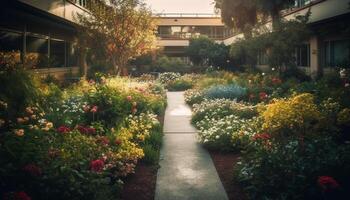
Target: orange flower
19,132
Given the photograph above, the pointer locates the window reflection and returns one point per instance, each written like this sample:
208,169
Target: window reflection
11,42
37,52
57,56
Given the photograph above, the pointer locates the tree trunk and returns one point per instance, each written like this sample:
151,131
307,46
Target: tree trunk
82,62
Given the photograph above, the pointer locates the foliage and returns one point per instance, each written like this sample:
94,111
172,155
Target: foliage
225,92
180,85
80,142
118,29
168,64
204,51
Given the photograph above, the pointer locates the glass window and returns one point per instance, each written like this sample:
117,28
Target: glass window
57,53
37,52
337,53
262,58
11,42
303,55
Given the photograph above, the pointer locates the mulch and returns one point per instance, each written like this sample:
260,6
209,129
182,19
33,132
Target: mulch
225,164
142,184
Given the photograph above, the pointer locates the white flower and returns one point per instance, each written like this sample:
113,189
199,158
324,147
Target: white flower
263,74
217,137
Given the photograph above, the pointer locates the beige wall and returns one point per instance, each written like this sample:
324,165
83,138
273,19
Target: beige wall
61,8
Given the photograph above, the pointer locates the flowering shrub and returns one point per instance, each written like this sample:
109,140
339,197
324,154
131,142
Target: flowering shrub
167,77
219,133
193,96
82,143
297,115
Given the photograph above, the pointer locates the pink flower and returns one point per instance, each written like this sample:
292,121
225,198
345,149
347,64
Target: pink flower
97,165
94,109
82,129
327,183
134,110
91,131
63,129
32,169
129,98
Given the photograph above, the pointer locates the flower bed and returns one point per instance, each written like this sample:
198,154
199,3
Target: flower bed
292,135
79,142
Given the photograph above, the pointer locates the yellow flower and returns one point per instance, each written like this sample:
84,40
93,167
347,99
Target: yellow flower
49,125
45,129
19,132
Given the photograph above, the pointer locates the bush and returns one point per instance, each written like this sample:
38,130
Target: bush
225,92
167,77
193,96
296,115
179,85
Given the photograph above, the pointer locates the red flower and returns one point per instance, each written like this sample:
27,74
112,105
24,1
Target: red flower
261,136
97,165
32,169
82,129
327,183
129,98
276,81
118,141
104,141
94,109
17,196
63,129
263,95
91,131
86,130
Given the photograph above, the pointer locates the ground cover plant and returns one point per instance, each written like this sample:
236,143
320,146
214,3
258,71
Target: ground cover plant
78,142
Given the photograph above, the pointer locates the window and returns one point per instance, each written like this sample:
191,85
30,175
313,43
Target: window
262,58
11,42
301,3
57,53
303,55
37,51
337,53
81,2
72,59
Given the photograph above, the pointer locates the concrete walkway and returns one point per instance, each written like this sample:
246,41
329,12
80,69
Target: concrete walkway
186,169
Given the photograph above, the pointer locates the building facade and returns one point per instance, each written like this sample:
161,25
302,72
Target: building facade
329,45
176,29
42,34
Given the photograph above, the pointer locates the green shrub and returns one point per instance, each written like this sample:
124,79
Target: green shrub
179,85
151,154
225,92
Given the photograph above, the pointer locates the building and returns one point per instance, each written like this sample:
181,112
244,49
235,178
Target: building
329,45
176,29
42,33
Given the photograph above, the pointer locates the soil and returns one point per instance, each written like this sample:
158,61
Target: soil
142,184
225,164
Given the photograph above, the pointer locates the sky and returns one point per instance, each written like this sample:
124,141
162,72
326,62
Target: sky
181,6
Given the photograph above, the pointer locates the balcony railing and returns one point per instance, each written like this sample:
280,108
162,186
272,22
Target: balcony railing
204,15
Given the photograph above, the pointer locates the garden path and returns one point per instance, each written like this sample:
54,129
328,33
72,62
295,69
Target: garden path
186,169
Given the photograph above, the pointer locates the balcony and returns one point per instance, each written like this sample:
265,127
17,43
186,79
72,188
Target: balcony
65,9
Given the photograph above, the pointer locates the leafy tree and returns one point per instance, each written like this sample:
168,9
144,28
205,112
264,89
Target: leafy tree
243,15
118,31
198,50
204,51
238,14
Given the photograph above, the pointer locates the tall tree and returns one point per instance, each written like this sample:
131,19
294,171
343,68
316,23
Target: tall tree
243,15
272,8
238,14
118,30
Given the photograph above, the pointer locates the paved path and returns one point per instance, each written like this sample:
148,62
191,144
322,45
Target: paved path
186,169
